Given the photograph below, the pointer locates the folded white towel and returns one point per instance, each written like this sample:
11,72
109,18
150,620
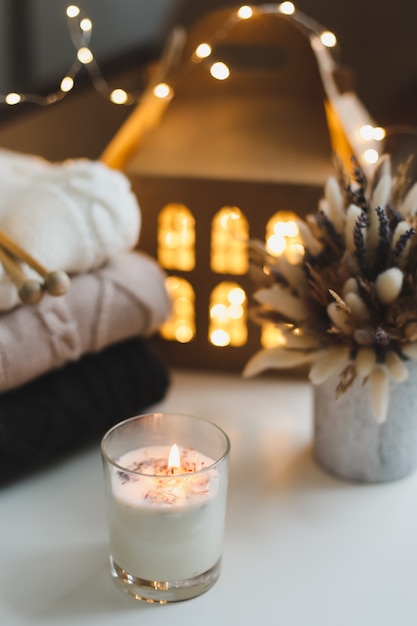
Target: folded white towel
73,215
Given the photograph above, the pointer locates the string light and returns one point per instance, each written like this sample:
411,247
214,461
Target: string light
245,12
328,39
67,83
219,70
80,29
369,133
379,133
119,96
84,55
371,155
86,25
162,90
287,8
13,98
366,132
203,51
72,10
319,36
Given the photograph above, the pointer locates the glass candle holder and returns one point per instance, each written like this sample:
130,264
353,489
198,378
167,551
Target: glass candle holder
166,479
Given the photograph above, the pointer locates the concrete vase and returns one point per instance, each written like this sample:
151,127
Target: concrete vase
350,444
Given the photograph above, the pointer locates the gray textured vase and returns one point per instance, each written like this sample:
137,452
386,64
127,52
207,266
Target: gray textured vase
350,444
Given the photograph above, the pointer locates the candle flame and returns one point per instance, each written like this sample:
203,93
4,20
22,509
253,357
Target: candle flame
174,457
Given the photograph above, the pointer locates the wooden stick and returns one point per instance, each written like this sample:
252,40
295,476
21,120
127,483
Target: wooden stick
30,291
57,283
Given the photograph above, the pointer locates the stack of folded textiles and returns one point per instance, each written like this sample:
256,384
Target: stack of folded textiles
72,366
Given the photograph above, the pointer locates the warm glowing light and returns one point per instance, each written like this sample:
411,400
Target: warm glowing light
287,8
119,96
236,311
84,55
272,336
227,309
286,229
72,10
184,333
283,238
174,461
181,325
203,51
226,216
219,70
366,132
13,98
294,252
371,155
245,12
220,338
162,90
236,296
176,238
328,39
67,83
229,234
379,133
219,312
276,244
86,25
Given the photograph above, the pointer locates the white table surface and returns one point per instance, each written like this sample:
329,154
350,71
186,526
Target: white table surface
301,548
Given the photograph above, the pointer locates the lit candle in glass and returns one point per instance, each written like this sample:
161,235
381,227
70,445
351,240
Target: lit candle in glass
166,504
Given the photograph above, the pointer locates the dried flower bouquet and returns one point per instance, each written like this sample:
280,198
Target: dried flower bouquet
350,307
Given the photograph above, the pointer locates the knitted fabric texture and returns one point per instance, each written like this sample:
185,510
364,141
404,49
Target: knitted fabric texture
74,406
125,298
72,216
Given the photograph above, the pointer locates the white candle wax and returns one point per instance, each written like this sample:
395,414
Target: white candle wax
169,525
